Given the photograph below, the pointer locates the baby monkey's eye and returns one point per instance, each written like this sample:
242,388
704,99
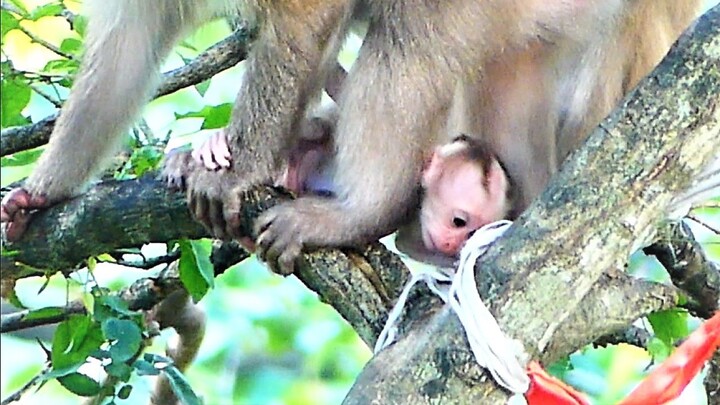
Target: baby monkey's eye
459,222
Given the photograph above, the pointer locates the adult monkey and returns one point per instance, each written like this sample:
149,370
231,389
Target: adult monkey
417,56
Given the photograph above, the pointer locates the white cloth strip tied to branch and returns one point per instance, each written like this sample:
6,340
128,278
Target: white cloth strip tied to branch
503,357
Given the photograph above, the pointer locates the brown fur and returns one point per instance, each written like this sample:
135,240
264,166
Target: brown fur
532,76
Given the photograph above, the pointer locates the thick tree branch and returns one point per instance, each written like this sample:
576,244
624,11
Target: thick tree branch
605,202
223,55
361,284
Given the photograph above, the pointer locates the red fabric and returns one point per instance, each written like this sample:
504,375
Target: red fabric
548,390
666,382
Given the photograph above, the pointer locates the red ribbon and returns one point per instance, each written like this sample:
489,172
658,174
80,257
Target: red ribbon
664,383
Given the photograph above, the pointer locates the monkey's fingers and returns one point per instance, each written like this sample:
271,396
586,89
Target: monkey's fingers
200,208
278,253
230,213
217,220
205,155
175,169
17,199
220,150
16,211
247,243
15,229
280,241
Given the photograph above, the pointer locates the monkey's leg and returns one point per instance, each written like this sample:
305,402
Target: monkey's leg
379,160
296,46
126,42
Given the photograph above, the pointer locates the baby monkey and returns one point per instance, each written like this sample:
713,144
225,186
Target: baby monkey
463,187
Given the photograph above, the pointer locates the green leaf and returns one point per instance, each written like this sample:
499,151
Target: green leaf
8,22
15,97
215,117
80,384
80,25
59,372
120,370
47,10
153,359
125,391
20,5
23,158
44,313
658,349
13,298
219,117
180,386
107,306
142,160
670,326
91,263
71,46
61,66
74,340
202,87
196,270
125,337
144,367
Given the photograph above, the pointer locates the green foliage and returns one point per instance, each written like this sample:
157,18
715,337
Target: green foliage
44,313
125,337
15,97
181,387
144,159
46,11
8,22
74,340
214,117
196,270
80,384
670,326
23,158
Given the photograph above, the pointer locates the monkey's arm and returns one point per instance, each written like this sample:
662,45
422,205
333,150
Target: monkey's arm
296,47
126,42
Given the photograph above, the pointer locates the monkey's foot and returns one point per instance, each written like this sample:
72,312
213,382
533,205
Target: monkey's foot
286,229
17,209
177,166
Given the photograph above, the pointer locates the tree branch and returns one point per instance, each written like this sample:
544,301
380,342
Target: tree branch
689,268
223,55
604,203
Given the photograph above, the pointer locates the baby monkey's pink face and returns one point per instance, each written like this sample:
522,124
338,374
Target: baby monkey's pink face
460,197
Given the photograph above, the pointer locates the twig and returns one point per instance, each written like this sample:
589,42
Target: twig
221,56
689,268
16,320
15,396
46,44
703,223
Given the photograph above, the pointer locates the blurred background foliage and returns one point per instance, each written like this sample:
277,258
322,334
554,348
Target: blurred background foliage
269,340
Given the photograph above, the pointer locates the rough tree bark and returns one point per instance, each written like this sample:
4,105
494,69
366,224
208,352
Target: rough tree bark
569,247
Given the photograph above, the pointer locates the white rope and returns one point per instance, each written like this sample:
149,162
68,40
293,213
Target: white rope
492,349
432,277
